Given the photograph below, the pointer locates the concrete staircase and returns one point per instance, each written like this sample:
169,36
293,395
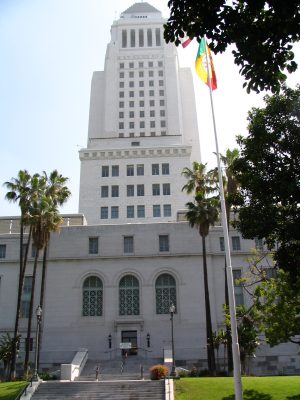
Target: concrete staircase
113,370
108,390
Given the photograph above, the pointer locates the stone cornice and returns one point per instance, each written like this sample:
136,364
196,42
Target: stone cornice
93,154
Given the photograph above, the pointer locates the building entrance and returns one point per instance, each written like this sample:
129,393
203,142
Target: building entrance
130,337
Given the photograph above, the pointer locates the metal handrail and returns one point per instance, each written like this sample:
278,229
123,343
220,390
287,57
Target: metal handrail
24,390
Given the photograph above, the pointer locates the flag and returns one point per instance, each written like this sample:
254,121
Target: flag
185,41
201,65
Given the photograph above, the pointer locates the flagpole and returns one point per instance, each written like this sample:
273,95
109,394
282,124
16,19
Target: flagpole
235,343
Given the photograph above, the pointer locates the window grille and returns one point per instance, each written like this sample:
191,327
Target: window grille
165,293
129,293
92,297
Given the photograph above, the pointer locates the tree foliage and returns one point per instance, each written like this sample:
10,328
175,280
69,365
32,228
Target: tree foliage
268,171
263,32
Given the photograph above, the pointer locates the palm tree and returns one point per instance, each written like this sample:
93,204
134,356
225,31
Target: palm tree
19,190
203,213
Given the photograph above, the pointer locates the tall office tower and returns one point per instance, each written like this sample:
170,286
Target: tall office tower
142,126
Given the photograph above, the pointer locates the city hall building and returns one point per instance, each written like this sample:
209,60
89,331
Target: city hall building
117,265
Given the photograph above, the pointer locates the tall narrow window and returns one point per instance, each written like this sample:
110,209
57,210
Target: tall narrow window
130,170
128,244
26,295
155,169
140,169
166,189
105,171
236,243
2,250
149,37
156,210
167,210
130,211
222,243
141,38
129,296
114,212
92,297
93,245
157,37
164,243
104,213
259,244
165,293
140,190
165,169
115,170
124,38
130,190
238,288
132,38
115,191
141,211
155,189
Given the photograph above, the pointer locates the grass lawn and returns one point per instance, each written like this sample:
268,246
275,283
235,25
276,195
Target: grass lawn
10,390
254,388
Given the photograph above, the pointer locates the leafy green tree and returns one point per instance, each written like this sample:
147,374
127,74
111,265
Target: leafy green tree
277,305
7,350
202,213
263,33
268,171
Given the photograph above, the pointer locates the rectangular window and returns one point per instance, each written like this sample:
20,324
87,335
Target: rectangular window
161,103
105,171
121,104
162,124
151,93
131,93
166,189
155,169
140,190
149,37
130,211
30,343
152,113
155,189
115,170
140,169
156,210
124,38
121,114
130,170
141,74
141,38
131,125
141,83
128,244
238,288
2,250
152,124
162,113
141,93
150,63
33,251
142,114
164,243
121,85
93,245
121,65
130,190
151,103
26,295
236,243
222,243
104,191
121,125
115,191
141,64
160,83
104,213
131,65
131,104
167,210
161,73
142,134
160,63
142,124
141,211
142,103
131,83
131,114
131,74
161,92
114,212
259,244
151,74
132,38
165,169
121,95
151,83
157,37
121,75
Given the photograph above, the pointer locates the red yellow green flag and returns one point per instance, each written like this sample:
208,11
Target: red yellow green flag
201,65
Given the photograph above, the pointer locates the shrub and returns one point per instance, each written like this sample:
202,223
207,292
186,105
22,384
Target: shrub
159,372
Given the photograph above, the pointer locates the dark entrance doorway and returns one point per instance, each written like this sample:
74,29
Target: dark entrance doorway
130,337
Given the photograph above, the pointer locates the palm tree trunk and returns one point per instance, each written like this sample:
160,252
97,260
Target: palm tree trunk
209,332
42,296
30,313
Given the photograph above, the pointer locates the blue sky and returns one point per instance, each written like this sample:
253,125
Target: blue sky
49,50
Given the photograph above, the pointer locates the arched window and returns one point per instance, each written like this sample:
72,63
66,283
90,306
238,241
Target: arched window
92,297
165,292
129,296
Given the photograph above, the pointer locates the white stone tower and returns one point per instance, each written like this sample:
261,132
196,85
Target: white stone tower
142,126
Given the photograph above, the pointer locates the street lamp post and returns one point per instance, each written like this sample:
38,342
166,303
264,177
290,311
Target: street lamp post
38,318
172,310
